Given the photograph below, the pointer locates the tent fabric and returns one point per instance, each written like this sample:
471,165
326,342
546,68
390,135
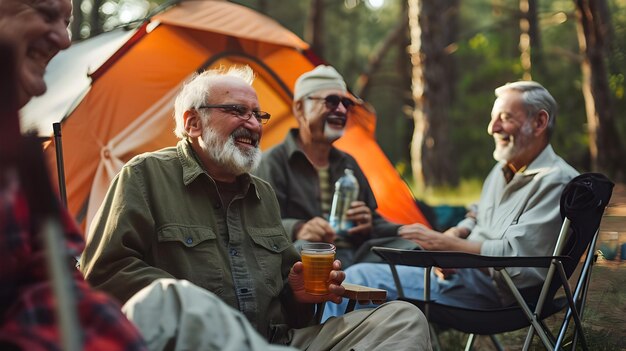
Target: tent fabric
222,18
395,200
67,79
129,106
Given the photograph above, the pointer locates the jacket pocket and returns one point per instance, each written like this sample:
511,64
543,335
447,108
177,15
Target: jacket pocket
191,253
269,248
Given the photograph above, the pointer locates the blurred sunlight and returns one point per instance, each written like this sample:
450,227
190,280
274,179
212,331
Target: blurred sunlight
375,4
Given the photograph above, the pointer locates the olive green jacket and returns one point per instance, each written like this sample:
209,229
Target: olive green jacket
163,218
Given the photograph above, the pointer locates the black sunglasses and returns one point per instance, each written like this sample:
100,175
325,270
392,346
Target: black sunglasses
242,112
332,101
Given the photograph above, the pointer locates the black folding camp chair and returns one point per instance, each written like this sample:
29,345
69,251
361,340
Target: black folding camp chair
582,205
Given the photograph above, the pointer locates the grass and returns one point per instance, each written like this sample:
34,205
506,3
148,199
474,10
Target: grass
466,193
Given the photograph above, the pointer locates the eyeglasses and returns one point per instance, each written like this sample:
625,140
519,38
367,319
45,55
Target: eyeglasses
332,101
242,112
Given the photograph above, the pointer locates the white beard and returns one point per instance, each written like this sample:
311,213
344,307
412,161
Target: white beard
515,146
228,155
332,134
503,153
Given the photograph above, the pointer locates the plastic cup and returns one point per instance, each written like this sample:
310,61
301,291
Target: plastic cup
317,259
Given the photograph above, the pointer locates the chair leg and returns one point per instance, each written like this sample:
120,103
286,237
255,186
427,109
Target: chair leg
582,288
319,311
551,340
494,340
529,338
572,312
434,337
531,315
470,342
496,343
351,306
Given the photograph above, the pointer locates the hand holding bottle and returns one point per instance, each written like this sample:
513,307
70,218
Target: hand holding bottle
346,192
361,217
316,229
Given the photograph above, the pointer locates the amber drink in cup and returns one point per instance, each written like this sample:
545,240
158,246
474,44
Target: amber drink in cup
317,259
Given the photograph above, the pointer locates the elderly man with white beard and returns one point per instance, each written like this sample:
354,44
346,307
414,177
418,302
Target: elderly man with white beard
193,244
517,215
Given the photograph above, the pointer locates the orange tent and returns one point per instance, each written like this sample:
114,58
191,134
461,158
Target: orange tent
128,109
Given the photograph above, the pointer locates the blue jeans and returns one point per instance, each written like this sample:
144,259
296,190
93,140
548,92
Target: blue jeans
466,288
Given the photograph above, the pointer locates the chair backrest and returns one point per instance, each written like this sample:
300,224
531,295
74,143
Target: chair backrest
583,202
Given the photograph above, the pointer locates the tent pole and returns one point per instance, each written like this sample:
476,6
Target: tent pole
60,166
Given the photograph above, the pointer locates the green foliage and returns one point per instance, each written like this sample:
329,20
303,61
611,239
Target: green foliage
466,193
472,110
486,56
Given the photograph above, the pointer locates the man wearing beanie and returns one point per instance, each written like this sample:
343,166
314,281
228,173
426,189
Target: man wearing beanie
305,166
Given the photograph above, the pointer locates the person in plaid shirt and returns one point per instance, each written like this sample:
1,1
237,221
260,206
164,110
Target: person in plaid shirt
31,33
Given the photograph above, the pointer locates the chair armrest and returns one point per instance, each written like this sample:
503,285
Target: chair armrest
364,294
450,259
354,292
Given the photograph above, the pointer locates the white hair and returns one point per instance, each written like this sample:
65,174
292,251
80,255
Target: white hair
228,155
535,98
197,90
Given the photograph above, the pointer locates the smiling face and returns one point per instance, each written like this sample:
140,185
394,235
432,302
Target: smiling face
38,31
512,130
230,141
320,121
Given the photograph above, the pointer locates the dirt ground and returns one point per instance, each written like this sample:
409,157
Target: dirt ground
618,199
606,305
605,316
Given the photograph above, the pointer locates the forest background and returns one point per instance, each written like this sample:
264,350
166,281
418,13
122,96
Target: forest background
429,69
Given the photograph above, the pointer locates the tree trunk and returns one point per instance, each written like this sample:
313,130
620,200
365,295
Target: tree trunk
607,154
433,30
77,19
529,43
313,29
403,65
95,20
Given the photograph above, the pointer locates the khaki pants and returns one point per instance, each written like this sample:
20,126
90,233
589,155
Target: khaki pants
177,315
395,325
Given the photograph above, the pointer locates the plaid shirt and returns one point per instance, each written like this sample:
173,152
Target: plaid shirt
27,303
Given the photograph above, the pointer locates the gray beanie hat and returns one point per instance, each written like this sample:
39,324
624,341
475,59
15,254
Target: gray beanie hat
322,77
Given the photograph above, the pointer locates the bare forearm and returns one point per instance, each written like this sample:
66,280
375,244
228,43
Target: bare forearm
464,245
459,232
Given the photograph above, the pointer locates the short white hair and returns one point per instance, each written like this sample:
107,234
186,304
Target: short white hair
535,98
196,91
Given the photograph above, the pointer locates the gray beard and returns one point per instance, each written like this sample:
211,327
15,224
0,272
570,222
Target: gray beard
228,155
502,154
505,154
332,134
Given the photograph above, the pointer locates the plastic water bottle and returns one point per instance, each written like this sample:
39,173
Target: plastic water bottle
346,191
